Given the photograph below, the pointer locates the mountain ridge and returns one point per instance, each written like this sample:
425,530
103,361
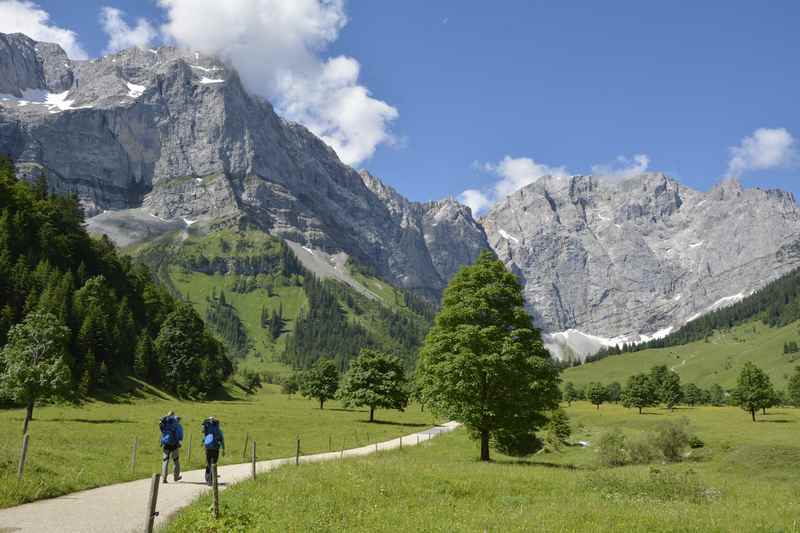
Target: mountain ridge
153,141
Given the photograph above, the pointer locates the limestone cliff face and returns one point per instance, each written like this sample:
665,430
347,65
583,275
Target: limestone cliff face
643,255
174,135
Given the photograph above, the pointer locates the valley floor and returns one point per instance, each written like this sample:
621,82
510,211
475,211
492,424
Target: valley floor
76,448
744,479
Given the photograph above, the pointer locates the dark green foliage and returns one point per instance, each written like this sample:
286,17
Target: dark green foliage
570,394
49,263
290,384
515,443
692,394
224,321
793,390
614,392
596,393
274,322
666,385
559,425
483,363
192,362
716,395
251,381
639,392
753,390
321,381
375,380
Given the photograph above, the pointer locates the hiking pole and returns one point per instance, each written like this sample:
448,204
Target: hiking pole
189,452
151,504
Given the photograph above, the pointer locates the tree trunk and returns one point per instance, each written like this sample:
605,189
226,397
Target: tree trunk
764,411
371,413
321,403
640,410
484,445
598,406
753,414
28,416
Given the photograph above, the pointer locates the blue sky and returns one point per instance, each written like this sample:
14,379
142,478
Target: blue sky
568,85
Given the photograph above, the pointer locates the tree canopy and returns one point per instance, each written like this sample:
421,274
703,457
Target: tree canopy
375,380
639,392
321,381
753,390
483,363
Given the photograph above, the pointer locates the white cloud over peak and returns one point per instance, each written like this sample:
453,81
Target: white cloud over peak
622,168
121,35
277,46
765,148
513,174
22,16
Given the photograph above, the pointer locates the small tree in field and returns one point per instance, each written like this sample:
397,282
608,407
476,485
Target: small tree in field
375,380
321,381
570,394
793,390
671,393
33,364
597,393
692,394
483,363
638,392
290,385
753,390
613,392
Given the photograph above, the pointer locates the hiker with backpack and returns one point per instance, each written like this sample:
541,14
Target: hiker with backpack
213,440
171,439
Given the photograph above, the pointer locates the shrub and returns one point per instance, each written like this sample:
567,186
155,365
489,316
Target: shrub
671,439
611,448
559,425
517,444
641,451
695,442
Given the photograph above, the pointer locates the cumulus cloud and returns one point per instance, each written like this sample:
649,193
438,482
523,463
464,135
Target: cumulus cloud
622,168
22,16
513,174
277,46
121,35
765,148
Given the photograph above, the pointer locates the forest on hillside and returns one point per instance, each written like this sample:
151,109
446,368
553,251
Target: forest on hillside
120,321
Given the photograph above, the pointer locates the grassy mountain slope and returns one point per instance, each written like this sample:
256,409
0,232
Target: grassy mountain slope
258,275
718,359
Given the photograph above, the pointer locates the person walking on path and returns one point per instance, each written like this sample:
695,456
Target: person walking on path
171,439
213,440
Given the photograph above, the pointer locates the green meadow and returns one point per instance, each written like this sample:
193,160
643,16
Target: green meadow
79,447
745,478
717,360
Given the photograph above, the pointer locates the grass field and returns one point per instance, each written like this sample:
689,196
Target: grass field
704,363
74,448
745,479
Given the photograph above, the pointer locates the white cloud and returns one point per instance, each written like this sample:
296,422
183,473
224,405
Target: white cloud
475,200
765,148
514,174
277,47
622,168
121,35
22,16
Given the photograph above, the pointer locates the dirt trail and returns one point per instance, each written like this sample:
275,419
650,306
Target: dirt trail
122,507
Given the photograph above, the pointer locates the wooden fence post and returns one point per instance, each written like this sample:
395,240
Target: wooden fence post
215,490
246,442
254,459
133,454
23,455
330,443
189,452
297,453
151,504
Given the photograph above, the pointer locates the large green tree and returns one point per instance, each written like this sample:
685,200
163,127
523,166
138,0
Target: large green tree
753,390
192,363
33,364
375,380
483,363
597,393
321,381
639,392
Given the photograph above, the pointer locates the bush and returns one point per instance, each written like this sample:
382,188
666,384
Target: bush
641,451
559,425
695,442
611,448
671,439
516,444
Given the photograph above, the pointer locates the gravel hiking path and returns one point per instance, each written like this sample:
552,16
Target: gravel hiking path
122,507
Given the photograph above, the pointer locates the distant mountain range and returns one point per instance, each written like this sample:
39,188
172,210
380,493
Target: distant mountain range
155,141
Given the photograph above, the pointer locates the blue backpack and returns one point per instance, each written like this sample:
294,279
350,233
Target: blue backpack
169,431
212,436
